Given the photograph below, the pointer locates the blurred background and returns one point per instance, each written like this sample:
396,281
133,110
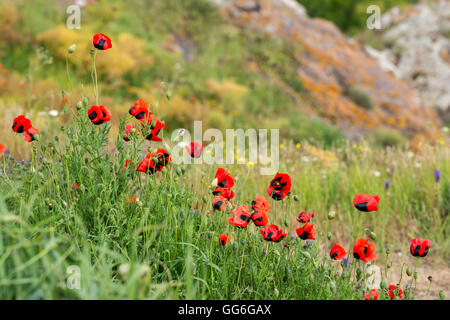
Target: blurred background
311,68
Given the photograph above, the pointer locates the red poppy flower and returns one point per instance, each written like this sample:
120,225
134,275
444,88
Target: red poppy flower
147,165
260,212
127,131
261,204
307,232
363,250
272,233
76,186
30,134
132,200
337,252
224,192
372,295
260,218
223,239
139,110
154,126
99,115
241,217
366,202
128,162
194,149
420,247
305,216
21,124
224,179
219,203
2,149
394,292
280,186
101,41
194,206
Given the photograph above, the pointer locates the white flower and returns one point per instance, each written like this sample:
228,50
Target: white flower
445,129
53,113
418,165
410,154
377,174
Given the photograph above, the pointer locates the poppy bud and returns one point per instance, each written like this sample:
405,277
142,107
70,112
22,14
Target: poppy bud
168,95
85,101
91,52
183,169
430,278
373,236
72,48
329,235
331,215
441,295
204,199
296,198
358,274
332,286
382,285
408,272
124,270
178,171
415,275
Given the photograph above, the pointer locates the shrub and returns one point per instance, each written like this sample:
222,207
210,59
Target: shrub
387,138
360,97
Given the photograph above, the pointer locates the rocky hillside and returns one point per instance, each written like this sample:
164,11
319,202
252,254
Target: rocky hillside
347,85
417,41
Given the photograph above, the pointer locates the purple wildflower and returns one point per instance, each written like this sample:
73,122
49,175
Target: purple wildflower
387,184
437,175
345,262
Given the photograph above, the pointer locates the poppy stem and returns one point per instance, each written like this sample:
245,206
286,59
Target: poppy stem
67,72
94,77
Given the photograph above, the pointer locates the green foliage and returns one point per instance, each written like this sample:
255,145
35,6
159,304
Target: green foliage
387,138
361,98
314,130
349,15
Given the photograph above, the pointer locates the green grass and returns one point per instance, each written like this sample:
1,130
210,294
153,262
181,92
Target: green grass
162,248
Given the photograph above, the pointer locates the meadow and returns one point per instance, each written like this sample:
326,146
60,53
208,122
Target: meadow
159,246
71,200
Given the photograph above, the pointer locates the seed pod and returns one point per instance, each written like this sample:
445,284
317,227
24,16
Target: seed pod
331,215
296,198
72,48
373,236
408,272
179,171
